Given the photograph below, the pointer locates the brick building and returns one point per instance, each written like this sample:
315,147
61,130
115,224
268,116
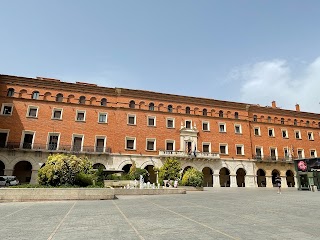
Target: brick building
233,144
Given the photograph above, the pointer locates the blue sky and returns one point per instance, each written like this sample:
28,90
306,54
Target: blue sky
244,51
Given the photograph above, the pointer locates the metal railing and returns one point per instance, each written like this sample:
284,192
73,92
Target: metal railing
272,158
57,148
192,154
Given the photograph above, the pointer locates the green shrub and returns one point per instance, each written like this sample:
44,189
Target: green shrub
192,177
83,179
170,170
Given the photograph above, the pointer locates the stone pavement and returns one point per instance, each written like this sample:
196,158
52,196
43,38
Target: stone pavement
216,213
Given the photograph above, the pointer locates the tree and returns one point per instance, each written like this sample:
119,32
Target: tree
61,169
192,177
134,172
170,170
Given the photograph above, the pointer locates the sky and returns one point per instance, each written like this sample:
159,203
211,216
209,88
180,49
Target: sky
242,51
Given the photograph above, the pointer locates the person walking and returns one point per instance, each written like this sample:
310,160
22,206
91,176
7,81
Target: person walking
278,182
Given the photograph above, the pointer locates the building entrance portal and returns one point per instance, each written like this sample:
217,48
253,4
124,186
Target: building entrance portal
241,174
23,170
275,173
224,177
261,178
290,178
207,177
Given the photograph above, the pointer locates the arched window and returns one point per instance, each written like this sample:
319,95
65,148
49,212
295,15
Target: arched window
169,108
269,119
204,112
187,110
132,104
35,95
255,118
295,122
10,92
82,100
103,102
221,113
236,115
151,106
282,120
59,97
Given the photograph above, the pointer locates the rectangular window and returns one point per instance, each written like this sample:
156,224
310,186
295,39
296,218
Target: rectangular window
151,145
130,143
53,141
286,153
284,133
257,131
271,132
3,138
77,143
300,153
206,147
313,153
151,121
222,127
223,148
103,118
170,145
6,109
170,122
239,149
297,134
27,139
81,115
32,111
131,119
100,143
273,153
310,136
57,113
205,126
259,153
237,128
188,124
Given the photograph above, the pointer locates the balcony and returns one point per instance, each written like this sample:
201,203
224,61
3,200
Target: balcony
57,148
265,158
183,154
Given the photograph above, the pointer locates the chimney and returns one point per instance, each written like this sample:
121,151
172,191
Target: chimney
274,104
297,107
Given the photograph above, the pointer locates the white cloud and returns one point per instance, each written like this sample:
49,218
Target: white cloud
266,81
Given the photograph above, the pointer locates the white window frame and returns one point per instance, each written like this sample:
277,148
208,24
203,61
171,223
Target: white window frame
6,105
32,107
302,151
53,111
254,132
154,144
312,138
7,131
173,122
315,152
135,119
224,126
206,143
170,141
240,128
255,150
84,115
276,152
48,139
226,147
72,141
185,124
104,142
295,134
242,149
134,143
284,152
154,121
286,131
24,132
208,126
273,133
103,113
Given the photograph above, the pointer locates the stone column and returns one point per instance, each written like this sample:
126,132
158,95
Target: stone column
233,181
269,182
34,176
284,183
216,180
249,181
8,172
296,185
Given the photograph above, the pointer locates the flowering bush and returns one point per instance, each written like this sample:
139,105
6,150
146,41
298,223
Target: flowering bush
61,169
192,177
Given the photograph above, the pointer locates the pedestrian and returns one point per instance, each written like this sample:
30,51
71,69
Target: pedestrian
278,183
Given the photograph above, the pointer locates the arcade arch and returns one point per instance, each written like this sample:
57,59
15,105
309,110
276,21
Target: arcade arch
224,176
2,168
290,178
274,173
261,178
207,177
152,177
241,174
23,170
98,165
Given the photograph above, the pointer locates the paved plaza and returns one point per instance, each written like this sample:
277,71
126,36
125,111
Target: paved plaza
216,213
